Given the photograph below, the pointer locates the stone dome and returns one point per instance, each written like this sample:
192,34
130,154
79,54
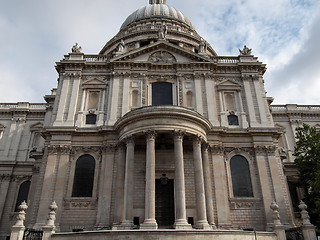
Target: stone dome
156,9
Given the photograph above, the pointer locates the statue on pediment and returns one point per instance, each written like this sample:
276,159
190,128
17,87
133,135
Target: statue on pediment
121,46
202,46
76,48
246,51
162,32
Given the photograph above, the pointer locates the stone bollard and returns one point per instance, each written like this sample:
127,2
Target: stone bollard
308,229
50,228
17,230
277,227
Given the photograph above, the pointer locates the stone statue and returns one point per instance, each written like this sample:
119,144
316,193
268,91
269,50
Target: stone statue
202,46
162,32
121,47
246,51
76,48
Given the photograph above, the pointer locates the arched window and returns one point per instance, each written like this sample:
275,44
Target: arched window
189,99
240,174
84,177
161,93
23,194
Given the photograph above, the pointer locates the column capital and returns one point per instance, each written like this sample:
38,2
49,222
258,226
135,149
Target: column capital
150,134
178,134
197,139
205,147
129,139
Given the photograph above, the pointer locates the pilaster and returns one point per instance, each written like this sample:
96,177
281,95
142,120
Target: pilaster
105,187
120,184
114,99
198,93
207,185
249,98
221,187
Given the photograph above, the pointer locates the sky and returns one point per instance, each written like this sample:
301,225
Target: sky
284,34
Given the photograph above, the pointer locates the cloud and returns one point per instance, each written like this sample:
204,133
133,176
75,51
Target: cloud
39,33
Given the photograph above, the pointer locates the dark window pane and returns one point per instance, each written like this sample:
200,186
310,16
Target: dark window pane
233,120
83,177
23,194
161,93
241,180
91,119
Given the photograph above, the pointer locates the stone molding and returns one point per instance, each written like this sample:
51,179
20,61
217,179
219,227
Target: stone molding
80,203
245,203
269,150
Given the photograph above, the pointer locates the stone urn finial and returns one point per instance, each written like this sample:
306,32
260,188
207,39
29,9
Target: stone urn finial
22,214
52,214
304,214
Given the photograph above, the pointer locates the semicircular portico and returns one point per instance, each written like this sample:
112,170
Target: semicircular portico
162,119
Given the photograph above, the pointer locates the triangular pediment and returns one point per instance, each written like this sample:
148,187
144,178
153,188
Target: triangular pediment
94,83
228,84
161,52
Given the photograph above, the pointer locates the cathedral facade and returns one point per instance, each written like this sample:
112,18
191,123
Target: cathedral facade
156,131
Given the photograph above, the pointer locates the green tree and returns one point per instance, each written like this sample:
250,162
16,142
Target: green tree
307,153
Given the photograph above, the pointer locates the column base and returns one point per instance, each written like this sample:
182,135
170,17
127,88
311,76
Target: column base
203,224
126,225
182,224
149,224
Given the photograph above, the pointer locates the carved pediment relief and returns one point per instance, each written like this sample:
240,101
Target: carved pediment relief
229,84
94,83
162,57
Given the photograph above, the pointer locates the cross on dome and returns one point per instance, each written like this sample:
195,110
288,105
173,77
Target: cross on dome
157,1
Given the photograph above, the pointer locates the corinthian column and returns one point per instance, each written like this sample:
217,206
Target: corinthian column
202,221
150,194
207,185
180,195
128,187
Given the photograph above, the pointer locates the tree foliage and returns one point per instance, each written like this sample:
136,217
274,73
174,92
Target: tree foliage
307,153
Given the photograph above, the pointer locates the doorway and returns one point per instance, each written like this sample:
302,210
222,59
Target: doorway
165,211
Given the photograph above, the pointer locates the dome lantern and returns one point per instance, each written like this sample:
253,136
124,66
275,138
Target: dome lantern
157,1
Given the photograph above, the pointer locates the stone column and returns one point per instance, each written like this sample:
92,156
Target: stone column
120,184
180,195
207,185
128,186
202,221
150,192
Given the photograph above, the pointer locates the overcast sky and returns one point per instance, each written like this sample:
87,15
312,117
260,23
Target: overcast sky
284,34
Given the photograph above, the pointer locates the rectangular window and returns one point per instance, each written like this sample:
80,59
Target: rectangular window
162,94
